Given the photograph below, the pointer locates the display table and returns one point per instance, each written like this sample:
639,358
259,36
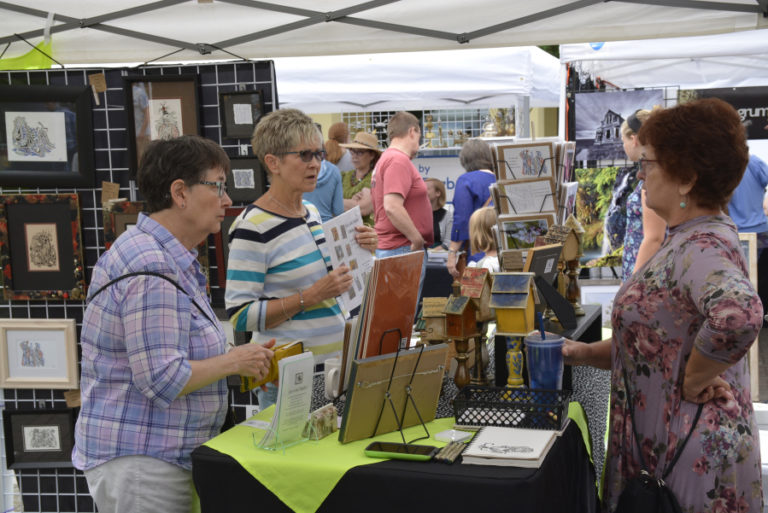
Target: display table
565,482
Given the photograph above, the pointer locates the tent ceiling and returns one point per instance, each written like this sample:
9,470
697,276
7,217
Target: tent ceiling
125,31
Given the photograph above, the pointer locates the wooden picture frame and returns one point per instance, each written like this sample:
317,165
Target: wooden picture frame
221,243
41,438
38,353
520,232
53,145
749,247
118,216
521,161
240,112
159,107
246,179
521,197
40,247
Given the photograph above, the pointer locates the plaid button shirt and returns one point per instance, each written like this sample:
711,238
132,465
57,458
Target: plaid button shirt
137,339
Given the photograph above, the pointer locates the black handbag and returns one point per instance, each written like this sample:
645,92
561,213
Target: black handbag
645,493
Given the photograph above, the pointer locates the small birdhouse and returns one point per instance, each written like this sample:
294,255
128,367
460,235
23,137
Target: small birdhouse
460,318
565,235
512,297
578,231
433,318
476,285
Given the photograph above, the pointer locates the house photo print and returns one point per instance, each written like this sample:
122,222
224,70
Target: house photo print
599,117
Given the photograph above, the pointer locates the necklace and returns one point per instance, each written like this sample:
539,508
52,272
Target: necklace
354,180
286,208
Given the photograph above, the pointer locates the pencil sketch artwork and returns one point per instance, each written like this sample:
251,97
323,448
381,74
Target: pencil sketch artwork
504,449
243,179
41,438
42,249
166,120
36,136
32,354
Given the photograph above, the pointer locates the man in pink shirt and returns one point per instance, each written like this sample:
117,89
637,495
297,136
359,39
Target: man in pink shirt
402,212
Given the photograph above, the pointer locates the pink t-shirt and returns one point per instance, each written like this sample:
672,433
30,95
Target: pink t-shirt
396,174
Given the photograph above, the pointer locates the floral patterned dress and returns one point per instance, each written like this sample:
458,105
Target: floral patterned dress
633,234
693,292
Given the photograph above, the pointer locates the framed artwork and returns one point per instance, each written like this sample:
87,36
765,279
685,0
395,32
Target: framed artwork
529,160
118,217
600,295
542,261
38,353
520,197
520,232
159,107
240,113
40,247
41,438
567,201
246,179
221,241
46,136
749,248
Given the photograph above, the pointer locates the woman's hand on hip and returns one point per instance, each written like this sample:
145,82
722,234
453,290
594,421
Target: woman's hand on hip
717,389
253,359
366,237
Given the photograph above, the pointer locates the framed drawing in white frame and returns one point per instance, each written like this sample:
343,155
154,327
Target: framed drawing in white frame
529,160
749,248
601,295
38,353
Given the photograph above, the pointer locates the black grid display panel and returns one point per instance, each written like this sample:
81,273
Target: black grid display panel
65,490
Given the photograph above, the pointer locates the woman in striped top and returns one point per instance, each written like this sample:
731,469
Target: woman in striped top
279,280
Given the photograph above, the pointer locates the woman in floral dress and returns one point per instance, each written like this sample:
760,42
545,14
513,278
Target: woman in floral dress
683,323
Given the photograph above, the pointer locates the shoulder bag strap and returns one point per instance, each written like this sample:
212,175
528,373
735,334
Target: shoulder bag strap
487,202
159,275
671,464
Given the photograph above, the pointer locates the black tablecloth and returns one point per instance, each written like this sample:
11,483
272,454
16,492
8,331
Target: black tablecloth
565,482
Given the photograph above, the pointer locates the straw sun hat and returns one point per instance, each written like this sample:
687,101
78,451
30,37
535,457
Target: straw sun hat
364,141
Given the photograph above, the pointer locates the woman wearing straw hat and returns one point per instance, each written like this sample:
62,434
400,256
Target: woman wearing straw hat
357,183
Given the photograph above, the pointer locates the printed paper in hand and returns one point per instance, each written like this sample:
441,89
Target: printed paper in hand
294,400
344,249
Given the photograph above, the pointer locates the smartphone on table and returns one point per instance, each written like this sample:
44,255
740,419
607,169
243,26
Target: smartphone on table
394,450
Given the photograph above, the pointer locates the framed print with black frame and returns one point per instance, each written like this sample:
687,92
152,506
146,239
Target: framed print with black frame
41,438
221,241
40,247
38,353
46,136
246,179
240,113
159,107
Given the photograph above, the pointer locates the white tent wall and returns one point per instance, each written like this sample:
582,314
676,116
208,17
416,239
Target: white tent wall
94,31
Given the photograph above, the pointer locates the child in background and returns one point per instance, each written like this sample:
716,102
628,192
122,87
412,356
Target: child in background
481,238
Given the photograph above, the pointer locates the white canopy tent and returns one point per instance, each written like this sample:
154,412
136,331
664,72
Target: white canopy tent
450,79
725,60
138,31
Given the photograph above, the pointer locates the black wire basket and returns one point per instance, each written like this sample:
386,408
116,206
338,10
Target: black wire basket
534,408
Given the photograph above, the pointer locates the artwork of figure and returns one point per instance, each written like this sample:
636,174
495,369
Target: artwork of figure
30,140
42,251
166,118
31,354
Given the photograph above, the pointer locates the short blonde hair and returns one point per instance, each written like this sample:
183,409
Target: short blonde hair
281,130
641,116
440,186
481,224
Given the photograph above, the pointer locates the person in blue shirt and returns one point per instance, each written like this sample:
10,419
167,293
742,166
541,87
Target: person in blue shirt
328,195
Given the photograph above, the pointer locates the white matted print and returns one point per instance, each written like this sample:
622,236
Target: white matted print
520,232
36,136
42,247
527,196
41,438
568,192
165,120
38,353
519,161
243,178
600,295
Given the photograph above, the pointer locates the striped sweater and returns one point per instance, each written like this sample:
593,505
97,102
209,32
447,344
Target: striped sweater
271,256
